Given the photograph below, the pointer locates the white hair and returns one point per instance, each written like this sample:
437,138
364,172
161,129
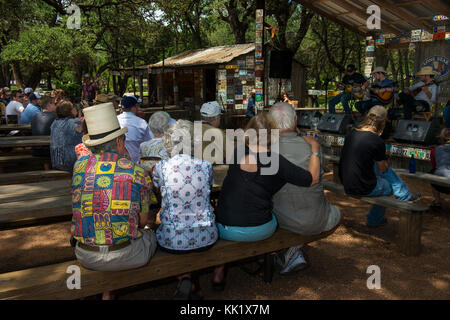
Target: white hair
284,115
180,133
159,122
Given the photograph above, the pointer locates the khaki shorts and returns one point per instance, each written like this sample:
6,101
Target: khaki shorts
135,255
333,218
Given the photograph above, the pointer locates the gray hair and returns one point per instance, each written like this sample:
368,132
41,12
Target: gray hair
159,122
179,135
284,115
107,146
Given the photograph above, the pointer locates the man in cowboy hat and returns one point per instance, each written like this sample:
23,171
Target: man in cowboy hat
111,198
352,78
420,96
381,84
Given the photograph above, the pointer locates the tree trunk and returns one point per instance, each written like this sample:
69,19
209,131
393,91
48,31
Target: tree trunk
406,63
400,69
17,75
381,57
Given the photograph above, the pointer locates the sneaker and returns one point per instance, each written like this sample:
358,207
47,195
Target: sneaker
415,197
283,257
295,261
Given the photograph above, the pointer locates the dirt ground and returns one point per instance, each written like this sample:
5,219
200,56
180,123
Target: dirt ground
338,263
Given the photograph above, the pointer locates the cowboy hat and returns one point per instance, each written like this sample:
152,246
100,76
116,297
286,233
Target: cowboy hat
102,124
379,69
102,98
428,70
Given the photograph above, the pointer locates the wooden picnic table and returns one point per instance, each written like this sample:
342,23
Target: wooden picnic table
27,141
11,127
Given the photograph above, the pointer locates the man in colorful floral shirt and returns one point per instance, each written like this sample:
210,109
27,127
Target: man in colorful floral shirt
110,199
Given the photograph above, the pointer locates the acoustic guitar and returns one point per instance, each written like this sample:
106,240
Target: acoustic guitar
384,97
436,80
355,90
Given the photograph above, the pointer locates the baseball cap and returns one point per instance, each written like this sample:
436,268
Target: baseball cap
27,91
34,96
211,109
129,102
378,111
351,68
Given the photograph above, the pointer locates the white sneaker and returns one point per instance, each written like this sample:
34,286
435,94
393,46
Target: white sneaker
283,257
296,263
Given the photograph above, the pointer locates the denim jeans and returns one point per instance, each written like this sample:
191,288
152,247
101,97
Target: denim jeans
446,113
388,183
341,97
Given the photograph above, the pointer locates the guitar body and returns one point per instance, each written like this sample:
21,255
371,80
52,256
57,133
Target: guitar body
384,97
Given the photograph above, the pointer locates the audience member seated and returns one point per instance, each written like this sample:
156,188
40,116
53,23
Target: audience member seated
187,219
364,168
245,209
440,162
213,138
158,123
119,241
15,106
80,149
446,114
32,108
65,135
41,123
303,210
138,130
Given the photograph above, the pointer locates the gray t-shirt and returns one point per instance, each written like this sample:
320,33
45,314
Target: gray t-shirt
301,210
433,88
442,157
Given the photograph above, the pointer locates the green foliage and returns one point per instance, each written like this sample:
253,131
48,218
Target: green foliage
72,89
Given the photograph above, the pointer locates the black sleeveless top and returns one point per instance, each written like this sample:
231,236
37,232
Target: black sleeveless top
246,197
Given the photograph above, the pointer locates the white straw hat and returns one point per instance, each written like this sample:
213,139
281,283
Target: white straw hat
427,71
379,69
102,124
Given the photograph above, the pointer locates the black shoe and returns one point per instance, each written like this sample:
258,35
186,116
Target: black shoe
415,197
183,290
220,286
383,223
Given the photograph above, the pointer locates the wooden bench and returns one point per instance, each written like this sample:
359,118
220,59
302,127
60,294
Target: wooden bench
50,282
33,176
410,225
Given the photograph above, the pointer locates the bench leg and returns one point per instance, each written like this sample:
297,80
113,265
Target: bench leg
336,173
268,267
410,230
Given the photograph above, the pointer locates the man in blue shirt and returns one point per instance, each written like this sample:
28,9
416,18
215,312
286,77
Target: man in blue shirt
32,108
138,129
382,85
250,113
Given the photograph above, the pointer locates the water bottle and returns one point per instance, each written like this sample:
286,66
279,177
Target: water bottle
412,165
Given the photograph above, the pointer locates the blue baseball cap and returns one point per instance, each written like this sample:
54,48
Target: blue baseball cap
129,102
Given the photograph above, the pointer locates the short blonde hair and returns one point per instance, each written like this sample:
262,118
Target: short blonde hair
261,121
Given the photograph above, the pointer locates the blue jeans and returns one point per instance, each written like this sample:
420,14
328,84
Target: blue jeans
446,113
257,233
388,183
342,97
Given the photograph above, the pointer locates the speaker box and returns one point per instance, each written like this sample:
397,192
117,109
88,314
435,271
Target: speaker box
280,64
335,123
304,118
415,131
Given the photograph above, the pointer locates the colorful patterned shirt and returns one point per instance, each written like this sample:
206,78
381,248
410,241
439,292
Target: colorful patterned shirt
108,193
187,219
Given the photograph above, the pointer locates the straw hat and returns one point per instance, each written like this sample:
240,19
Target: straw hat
379,69
102,98
102,124
428,70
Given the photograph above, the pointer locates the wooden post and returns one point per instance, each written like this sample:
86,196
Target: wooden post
141,87
175,88
410,230
336,173
268,267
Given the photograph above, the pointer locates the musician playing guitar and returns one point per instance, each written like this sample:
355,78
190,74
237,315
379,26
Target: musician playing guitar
381,91
351,80
420,96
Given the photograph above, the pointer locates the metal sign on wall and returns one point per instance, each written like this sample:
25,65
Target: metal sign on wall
440,64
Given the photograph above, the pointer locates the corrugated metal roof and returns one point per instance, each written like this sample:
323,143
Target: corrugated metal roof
397,17
201,57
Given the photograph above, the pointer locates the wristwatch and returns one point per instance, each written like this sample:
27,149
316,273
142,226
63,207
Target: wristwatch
316,154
